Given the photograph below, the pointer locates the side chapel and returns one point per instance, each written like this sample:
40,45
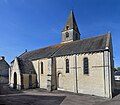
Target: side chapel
75,65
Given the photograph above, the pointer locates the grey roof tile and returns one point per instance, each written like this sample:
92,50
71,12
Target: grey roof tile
76,47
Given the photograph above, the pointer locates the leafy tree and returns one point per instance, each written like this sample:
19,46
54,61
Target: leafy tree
115,69
118,68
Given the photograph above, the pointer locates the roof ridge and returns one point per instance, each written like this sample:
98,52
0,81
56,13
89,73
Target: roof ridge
22,53
95,36
86,39
62,44
108,39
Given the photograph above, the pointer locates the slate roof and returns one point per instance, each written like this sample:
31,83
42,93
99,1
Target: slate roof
4,68
93,44
71,22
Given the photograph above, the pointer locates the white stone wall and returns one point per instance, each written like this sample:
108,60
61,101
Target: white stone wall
65,80
15,68
36,65
95,83
41,78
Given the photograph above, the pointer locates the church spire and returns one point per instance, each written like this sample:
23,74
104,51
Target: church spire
70,31
71,22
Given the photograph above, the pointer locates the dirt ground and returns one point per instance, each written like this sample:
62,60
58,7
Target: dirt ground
42,97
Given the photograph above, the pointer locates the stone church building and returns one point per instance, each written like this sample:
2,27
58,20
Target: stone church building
75,65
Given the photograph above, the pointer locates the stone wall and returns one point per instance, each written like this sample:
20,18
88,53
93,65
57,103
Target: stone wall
97,82
4,70
15,70
26,81
41,78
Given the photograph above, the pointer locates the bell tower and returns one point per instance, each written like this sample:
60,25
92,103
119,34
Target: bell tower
70,31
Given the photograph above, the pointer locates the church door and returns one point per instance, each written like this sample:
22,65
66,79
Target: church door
60,81
30,81
15,81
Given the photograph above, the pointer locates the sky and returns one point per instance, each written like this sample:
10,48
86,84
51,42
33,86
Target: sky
34,24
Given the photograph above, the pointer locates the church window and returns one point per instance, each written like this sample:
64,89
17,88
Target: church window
67,27
67,34
76,36
67,66
86,65
41,67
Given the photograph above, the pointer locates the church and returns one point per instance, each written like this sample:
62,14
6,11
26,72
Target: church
75,65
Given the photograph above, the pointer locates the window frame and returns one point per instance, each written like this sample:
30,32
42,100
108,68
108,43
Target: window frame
41,67
67,34
85,66
67,66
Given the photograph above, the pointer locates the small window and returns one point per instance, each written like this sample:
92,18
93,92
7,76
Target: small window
76,36
67,66
41,67
67,27
67,34
86,66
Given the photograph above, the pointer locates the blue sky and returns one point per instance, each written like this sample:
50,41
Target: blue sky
33,24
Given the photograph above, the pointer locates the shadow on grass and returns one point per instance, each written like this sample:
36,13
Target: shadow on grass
31,100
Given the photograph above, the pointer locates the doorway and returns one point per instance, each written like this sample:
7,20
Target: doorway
60,82
30,81
15,81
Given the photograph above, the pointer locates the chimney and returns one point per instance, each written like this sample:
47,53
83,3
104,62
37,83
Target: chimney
2,57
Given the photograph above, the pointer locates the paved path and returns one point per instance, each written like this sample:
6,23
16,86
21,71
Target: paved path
42,97
114,101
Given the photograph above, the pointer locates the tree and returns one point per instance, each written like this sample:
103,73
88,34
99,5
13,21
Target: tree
118,68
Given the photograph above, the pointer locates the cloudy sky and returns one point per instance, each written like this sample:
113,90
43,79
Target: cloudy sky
33,24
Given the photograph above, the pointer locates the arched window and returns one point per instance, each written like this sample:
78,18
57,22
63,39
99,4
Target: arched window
86,65
67,27
67,66
41,67
67,34
76,35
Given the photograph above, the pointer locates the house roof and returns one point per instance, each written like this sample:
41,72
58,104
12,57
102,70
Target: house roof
4,68
88,45
93,44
